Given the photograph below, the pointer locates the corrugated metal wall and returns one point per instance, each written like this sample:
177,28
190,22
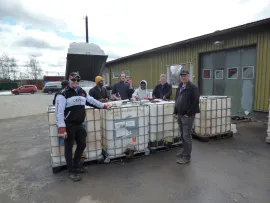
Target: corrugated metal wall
151,66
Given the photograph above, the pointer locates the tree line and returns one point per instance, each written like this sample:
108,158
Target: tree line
10,70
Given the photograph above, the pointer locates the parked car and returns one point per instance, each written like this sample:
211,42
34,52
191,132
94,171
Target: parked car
25,89
51,87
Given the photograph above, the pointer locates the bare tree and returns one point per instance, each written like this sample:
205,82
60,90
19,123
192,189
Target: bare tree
8,67
34,69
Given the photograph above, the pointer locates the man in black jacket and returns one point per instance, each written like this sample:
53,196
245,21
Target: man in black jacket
70,114
99,92
186,106
162,90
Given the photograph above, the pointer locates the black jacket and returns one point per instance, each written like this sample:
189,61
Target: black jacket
166,91
70,106
187,101
123,89
98,93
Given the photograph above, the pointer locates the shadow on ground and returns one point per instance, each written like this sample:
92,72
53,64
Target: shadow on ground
234,170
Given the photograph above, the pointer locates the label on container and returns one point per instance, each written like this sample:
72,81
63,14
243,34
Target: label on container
126,128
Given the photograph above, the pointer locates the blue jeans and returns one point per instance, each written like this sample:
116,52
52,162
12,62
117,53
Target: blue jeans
185,127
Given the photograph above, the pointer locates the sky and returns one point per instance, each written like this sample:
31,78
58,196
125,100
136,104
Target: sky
120,28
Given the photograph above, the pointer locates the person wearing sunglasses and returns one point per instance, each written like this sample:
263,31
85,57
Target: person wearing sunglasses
70,115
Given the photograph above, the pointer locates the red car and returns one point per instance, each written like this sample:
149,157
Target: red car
25,89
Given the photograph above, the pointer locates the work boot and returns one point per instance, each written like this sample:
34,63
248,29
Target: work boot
183,160
74,177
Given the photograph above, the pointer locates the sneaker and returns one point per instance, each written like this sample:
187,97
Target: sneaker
81,169
180,154
74,177
183,160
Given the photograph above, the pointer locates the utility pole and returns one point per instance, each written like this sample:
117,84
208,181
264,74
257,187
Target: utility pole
86,28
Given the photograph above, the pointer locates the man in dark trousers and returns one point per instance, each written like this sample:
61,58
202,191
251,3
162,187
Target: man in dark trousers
99,92
64,84
122,88
70,115
186,106
162,90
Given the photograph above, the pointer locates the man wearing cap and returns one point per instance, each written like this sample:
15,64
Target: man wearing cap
64,84
99,92
70,115
186,106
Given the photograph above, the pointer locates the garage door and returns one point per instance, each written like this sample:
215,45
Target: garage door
230,73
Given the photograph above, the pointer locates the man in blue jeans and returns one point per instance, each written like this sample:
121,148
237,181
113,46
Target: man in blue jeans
186,106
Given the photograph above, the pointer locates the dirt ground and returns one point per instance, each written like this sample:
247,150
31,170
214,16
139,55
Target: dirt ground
224,171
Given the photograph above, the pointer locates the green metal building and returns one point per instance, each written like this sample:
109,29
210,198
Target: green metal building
233,62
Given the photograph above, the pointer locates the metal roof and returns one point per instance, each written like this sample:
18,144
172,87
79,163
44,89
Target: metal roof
202,37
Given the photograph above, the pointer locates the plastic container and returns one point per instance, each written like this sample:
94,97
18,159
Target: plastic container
125,127
215,116
92,125
163,127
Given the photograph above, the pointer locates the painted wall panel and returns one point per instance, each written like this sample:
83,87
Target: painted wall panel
150,66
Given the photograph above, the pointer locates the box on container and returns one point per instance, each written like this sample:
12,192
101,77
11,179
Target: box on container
163,127
123,128
215,116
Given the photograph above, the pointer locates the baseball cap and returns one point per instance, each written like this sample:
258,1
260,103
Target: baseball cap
74,75
184,72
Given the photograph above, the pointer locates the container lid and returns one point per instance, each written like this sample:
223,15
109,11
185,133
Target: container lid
85,48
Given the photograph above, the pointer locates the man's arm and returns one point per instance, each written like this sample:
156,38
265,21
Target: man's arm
94,102
195,99
114,89
91,92
155,92
176,97
60,105
169,94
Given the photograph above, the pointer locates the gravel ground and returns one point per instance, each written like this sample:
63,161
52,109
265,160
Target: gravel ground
24,105
224,171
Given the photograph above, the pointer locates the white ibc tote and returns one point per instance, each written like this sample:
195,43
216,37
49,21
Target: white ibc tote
93,149
215,116
125,127
163,127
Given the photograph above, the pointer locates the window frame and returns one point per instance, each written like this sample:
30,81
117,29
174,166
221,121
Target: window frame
236,75
253,71
210,77
222,75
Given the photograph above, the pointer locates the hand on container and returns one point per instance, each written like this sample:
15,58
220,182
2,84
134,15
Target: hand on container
62,132
137,97
107,106
164,98
175,116
186,115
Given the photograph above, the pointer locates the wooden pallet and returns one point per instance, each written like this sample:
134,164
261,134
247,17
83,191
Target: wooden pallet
108,158
206,138
100,160
167,147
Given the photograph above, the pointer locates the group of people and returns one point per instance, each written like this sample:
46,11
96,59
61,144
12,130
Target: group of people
70,104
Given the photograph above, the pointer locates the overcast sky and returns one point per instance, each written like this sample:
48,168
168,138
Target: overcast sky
119,27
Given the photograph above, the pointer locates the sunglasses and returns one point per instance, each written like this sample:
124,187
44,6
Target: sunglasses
74,80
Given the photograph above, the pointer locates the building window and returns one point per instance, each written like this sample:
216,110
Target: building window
206,74
248,72
219,74
233,73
